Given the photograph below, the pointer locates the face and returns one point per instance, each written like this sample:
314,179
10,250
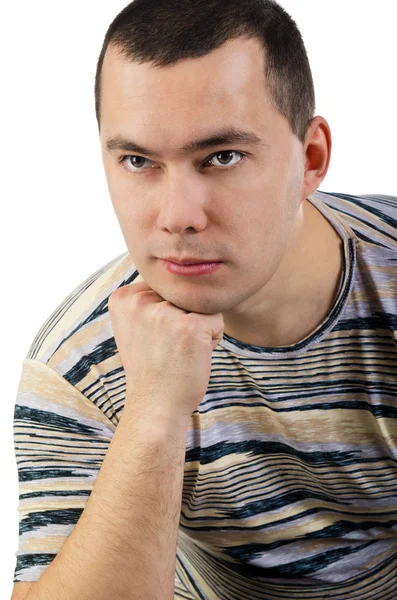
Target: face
232,202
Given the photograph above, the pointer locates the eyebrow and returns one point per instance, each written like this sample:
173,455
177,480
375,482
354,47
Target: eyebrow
230,135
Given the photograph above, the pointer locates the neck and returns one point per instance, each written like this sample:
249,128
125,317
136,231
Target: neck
301,292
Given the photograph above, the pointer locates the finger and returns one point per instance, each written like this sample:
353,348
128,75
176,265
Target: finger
129,291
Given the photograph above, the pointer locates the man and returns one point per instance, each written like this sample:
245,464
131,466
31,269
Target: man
255,456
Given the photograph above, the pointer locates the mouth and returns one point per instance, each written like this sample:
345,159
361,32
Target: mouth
191,261
191,270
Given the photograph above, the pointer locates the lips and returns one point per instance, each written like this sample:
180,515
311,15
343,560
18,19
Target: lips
190,261
196,270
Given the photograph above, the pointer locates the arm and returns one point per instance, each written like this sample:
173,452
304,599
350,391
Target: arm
124,544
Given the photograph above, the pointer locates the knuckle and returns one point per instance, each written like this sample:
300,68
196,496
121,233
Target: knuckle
163,306
161,311
188,323
139,298
113,298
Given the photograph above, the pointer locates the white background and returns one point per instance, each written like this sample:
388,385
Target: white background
58,224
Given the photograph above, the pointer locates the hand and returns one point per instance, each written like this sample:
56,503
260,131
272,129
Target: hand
166,352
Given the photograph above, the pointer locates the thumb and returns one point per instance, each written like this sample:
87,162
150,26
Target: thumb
217,337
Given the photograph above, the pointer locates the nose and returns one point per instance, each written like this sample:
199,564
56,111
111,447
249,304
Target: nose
182,204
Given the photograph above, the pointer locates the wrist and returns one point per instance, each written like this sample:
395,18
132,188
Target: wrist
155,421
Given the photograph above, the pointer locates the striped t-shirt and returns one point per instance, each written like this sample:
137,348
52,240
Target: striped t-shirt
290,481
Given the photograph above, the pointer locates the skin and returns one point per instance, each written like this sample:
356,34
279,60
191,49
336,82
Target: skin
282,258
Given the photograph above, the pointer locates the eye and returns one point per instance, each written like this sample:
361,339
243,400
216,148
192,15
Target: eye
139,161
223,152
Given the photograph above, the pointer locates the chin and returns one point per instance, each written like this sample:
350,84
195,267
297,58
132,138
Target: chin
203,305
193,301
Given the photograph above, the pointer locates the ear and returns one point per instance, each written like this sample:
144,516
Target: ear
317,154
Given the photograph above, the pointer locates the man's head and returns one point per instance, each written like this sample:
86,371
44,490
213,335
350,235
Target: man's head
171,73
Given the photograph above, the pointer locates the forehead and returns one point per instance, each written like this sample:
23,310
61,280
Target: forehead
165,109
229,80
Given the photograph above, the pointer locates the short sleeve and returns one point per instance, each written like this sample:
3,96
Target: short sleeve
60,441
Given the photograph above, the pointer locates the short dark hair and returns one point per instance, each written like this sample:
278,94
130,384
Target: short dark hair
163,32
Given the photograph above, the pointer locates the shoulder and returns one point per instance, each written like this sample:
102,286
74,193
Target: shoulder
80,323
371,217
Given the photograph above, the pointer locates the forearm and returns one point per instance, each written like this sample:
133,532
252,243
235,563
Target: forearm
124,544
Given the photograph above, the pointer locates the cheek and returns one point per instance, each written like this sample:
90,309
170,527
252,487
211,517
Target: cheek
268,230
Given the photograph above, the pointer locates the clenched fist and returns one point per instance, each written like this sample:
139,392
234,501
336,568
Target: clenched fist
166,352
